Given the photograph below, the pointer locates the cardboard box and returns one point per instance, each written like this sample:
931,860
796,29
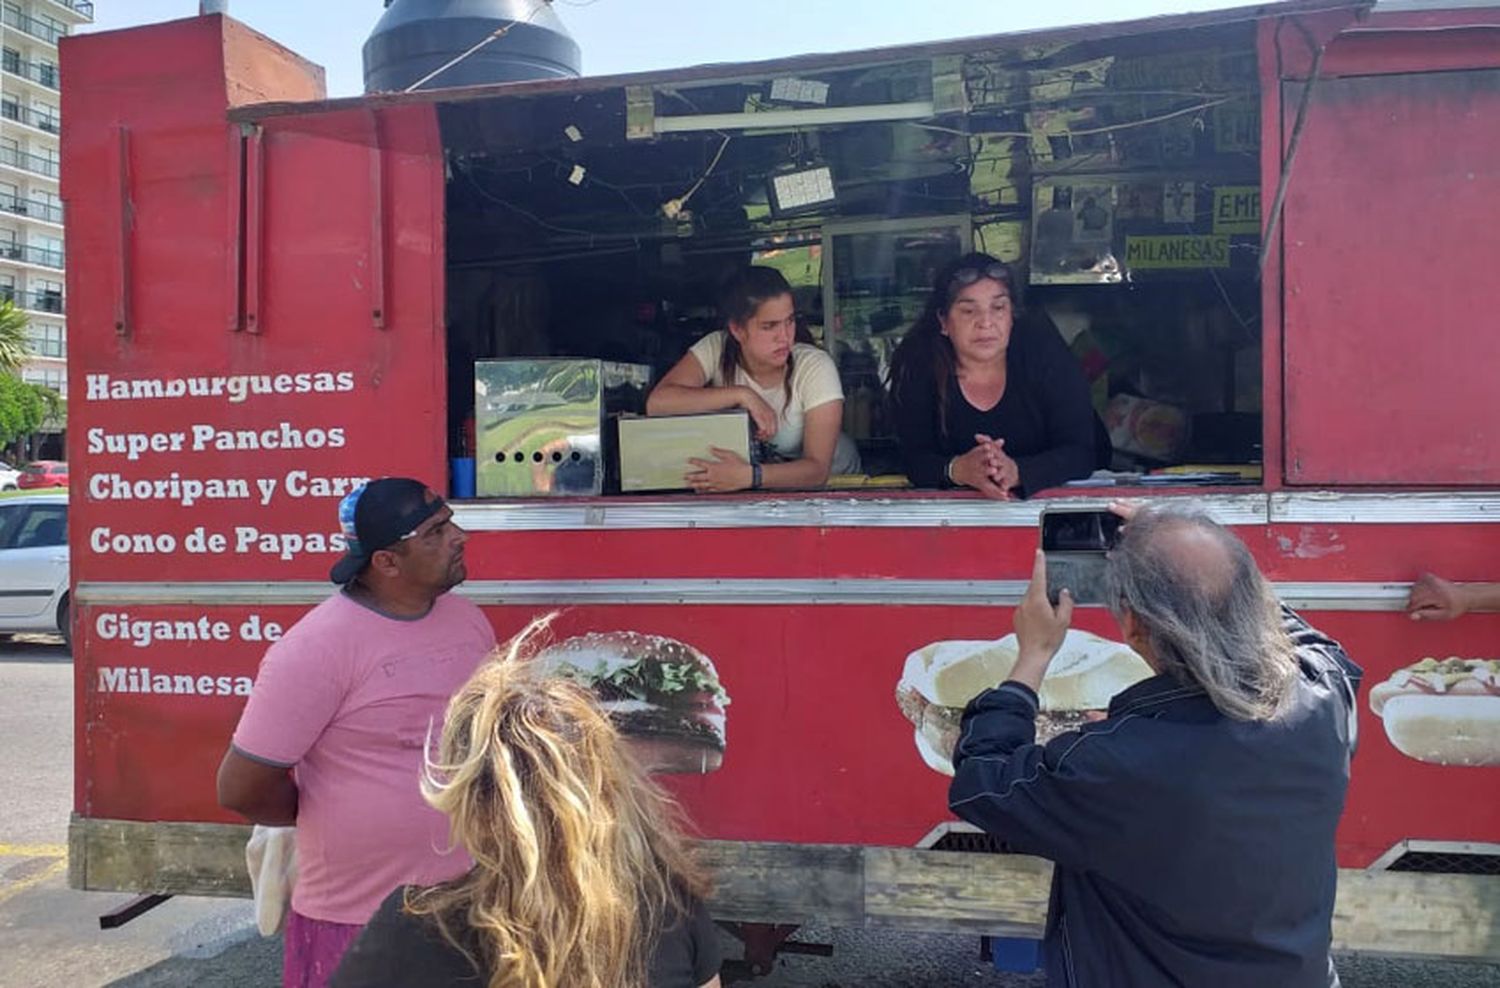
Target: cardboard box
654,452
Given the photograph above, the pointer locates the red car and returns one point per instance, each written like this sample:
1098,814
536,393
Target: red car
43,473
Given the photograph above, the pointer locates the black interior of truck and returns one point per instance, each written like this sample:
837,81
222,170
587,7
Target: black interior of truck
1119,176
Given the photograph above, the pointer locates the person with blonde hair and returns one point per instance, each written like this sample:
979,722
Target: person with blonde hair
581,877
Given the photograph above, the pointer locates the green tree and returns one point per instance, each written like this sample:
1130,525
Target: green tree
24,407
15,344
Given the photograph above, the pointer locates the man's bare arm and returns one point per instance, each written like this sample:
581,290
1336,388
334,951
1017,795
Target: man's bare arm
258,792
1435,599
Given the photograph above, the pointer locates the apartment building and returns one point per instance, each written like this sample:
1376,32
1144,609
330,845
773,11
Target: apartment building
32,252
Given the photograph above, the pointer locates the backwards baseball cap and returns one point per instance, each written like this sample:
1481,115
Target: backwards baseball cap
378,515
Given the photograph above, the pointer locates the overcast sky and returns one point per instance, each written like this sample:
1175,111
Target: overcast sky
630,35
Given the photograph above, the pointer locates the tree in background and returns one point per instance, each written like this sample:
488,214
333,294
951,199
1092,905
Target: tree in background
15,345
24,407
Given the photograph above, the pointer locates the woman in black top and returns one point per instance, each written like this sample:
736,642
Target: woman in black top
399,949
580,877
986,398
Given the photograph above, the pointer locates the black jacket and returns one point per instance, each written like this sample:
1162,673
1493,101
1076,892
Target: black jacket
1191,849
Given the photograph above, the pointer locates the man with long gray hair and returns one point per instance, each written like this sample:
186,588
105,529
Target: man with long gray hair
1193,825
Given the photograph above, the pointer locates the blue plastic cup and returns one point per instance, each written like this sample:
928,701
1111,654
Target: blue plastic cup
461,477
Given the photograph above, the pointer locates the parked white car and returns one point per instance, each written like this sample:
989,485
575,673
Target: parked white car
9,475
34,564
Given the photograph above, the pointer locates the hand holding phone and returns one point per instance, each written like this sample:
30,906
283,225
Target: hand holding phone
1041,626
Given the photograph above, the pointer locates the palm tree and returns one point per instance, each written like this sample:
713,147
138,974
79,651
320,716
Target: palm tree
15,344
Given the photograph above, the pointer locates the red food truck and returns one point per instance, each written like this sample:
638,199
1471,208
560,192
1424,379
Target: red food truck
1265,233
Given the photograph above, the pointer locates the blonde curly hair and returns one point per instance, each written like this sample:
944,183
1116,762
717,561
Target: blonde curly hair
579,862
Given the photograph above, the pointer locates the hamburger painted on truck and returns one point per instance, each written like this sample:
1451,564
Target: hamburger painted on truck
663,695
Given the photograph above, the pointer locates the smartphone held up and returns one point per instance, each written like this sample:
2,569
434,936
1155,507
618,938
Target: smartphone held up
1076,542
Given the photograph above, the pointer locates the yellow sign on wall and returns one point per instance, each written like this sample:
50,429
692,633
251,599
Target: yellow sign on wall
1186,251
1237,209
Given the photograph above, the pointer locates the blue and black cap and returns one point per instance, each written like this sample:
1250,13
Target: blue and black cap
378,515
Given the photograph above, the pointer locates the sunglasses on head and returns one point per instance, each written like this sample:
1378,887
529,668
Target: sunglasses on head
968,275
421,514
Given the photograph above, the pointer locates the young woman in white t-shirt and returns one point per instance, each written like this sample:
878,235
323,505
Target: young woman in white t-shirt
790,389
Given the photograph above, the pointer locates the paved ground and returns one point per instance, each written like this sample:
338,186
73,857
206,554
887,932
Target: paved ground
49,934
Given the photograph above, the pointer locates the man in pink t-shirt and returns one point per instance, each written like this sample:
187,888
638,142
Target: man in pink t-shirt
332,738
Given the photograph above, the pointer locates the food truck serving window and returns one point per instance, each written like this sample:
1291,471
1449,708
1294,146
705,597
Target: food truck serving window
590,234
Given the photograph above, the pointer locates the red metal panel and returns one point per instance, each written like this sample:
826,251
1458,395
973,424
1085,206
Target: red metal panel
1393,797
1437,40
121,222
253,242
1268,59
376,155
1392,219
108,73
1293,553
234,211
817,749
321,381
281,420
1420,48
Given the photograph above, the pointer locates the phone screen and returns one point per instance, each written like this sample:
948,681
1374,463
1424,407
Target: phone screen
1077,544
1080,531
